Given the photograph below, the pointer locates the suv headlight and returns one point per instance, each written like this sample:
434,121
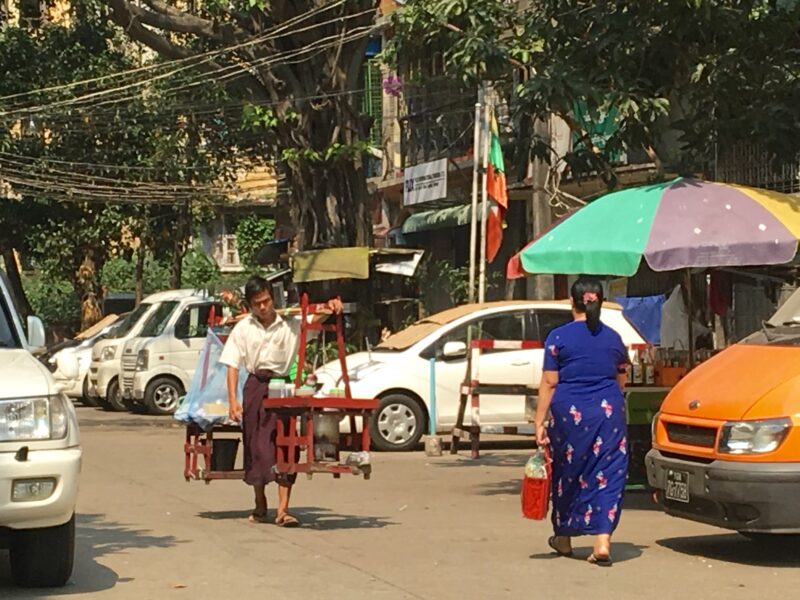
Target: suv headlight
753,437
142,359
33,419
108,354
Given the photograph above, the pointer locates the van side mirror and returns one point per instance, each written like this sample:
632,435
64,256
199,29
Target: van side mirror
67,366
36,336
454,351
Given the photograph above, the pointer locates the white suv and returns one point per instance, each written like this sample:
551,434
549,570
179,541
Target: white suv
40,455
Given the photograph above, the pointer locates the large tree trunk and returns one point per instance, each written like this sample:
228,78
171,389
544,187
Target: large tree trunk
330,204
319,130
15,281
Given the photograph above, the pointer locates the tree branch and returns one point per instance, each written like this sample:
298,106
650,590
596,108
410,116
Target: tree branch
124,15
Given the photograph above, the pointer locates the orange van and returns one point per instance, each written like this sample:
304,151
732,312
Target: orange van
726,443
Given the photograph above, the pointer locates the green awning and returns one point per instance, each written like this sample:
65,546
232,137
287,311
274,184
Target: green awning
453,216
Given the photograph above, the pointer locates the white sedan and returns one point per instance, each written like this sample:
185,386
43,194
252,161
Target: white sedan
398,370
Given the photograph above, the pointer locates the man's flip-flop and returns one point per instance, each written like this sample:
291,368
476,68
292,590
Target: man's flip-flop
600,561
551,541
287,520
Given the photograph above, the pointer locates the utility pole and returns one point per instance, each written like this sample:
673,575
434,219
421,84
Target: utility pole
476,177
540,287
488,105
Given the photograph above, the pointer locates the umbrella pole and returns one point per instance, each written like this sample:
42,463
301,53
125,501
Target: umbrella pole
690,310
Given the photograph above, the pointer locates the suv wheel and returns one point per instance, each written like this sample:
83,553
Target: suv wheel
162,395
398,424
43,557
114,399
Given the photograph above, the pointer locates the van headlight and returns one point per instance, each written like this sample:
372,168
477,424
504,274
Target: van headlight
33,419
753,437
108,354
142,359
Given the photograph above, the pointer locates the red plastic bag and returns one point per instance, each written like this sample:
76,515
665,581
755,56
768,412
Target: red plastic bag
536,492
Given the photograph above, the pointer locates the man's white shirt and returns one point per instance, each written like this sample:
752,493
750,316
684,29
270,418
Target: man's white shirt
262,348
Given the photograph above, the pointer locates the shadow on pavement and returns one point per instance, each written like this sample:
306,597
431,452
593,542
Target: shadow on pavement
620,552
734,548
94,539
486,460
321,519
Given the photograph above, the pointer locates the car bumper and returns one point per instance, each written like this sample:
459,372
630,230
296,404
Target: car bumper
133,387
63,465
99,378
754,497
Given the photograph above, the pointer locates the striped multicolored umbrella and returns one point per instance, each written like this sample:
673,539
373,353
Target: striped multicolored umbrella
673,225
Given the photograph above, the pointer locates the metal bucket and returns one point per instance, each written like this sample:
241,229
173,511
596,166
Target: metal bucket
326,436
223,454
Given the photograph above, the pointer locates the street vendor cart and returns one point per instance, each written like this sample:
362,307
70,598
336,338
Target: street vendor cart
309,439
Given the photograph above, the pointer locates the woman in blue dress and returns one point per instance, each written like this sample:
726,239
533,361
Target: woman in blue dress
584,375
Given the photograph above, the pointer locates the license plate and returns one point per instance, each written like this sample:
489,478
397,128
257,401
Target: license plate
677,486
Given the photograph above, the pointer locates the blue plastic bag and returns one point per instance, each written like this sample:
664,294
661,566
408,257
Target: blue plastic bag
206,401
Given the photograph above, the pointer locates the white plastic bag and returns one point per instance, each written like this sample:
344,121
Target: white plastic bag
206,401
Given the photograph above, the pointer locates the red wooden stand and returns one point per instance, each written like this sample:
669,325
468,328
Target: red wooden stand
299,413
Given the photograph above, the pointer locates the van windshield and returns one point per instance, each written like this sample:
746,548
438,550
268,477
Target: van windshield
129,322
156,322
783,329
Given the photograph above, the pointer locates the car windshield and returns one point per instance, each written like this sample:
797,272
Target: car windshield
126,324
8,337
157,321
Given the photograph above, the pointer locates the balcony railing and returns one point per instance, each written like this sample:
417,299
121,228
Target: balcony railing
749,164
437,122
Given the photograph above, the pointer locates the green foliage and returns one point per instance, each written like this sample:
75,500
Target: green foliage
318,353
199,270
715,72
119,275
53,300
443,285
252,232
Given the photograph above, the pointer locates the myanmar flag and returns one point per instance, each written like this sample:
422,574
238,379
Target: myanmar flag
498,194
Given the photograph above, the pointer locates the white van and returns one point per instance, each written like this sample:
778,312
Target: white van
40,455
158,365
105,368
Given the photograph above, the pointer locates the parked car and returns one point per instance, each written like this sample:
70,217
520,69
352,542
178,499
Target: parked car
158,364
40,455
104,383
398,370
726,444
78,388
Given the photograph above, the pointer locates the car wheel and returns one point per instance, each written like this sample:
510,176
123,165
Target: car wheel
87,399
114,399
398,424
43,557
162,394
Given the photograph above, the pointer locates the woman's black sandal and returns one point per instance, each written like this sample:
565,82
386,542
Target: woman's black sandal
551,541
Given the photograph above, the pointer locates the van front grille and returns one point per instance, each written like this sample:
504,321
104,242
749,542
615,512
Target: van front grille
691,435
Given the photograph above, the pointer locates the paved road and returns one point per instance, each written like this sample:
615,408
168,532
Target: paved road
421,528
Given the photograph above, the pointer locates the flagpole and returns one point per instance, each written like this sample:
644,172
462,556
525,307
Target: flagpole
473,228
487,113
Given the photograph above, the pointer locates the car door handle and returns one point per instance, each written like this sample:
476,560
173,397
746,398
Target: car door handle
520,363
